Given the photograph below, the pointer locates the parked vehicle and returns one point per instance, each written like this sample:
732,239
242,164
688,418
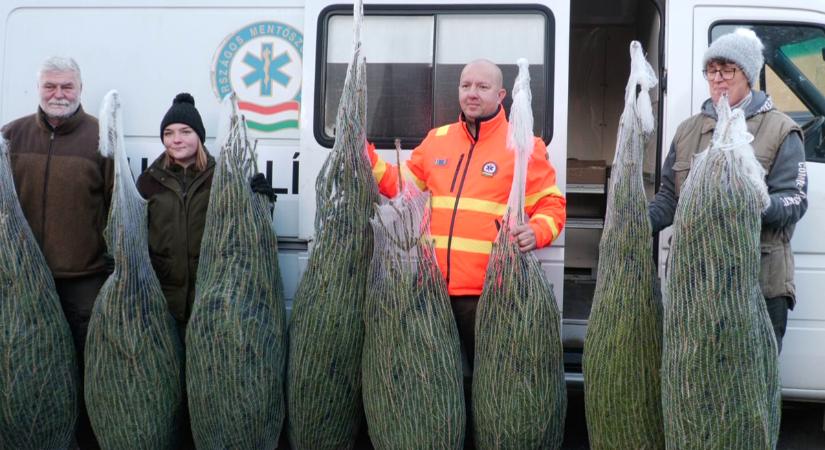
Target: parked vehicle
286,60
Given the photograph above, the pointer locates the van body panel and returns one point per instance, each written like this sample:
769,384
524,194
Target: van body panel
151,50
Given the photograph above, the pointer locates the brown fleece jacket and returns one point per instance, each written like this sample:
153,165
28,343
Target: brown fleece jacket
65,188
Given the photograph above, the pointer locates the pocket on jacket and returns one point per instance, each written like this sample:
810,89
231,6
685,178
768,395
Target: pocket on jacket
776,270
681,169
163,269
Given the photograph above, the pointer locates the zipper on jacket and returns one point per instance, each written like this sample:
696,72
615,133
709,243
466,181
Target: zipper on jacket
184,188
45,191
455,175
184,192
455,207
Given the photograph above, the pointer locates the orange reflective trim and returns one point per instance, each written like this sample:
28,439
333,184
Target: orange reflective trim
470,204
464,244
550,222
441,131
532,199
379,169
410,175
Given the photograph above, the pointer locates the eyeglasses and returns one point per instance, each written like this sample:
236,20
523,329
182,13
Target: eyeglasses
727,74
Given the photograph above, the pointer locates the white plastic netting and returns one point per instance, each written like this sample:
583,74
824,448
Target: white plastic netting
326,330
236,336
720,376
38,372
519,394
133,383
623,346
413,388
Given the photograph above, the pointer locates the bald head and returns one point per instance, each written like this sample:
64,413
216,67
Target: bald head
488,67
480,90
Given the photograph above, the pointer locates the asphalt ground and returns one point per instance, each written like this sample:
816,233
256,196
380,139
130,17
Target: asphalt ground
801,429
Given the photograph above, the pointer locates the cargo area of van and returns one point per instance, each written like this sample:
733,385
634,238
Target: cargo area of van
600,35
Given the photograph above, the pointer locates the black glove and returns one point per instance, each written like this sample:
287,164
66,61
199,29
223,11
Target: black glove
108,263
259,185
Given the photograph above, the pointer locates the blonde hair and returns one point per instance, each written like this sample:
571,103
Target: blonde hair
200,158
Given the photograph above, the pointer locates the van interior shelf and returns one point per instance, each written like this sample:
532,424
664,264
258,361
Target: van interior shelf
585,188
584,223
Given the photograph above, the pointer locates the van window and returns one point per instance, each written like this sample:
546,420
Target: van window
452,53
414,60
399,73
783,97
794,75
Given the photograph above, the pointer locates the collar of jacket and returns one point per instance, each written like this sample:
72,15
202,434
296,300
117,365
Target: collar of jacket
489,123
760,102
66,127
166,177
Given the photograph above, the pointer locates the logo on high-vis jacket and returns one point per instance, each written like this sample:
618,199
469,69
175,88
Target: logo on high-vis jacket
262,64
489,169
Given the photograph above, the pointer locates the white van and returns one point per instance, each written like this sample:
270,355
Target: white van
286,61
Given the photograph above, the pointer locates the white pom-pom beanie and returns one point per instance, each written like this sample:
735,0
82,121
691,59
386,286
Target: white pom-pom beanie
742,47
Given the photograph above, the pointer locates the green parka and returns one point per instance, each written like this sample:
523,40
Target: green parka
178,199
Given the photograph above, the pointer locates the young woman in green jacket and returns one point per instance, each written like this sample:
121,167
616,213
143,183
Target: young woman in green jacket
177,186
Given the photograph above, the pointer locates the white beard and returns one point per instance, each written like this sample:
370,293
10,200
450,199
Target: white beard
61,109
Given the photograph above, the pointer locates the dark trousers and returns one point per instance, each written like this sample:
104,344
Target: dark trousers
464,310
778,312
77,297
186,440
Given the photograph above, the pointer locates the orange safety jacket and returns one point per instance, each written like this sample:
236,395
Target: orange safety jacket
470,179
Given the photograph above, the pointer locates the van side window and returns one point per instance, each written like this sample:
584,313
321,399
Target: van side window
399,73
493,38
794,76
414,59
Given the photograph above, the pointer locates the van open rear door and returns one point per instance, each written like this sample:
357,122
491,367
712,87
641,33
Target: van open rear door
598,69
793,32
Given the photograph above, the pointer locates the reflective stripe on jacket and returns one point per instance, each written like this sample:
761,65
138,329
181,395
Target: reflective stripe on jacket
470,181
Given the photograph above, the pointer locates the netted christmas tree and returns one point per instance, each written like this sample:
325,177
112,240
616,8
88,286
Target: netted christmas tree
38,366
623,346
236,336
519,394
720,376
133,383
413,388
326,330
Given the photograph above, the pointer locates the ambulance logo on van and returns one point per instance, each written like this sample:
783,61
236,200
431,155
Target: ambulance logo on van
262,64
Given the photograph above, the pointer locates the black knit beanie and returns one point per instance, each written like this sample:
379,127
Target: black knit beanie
183,111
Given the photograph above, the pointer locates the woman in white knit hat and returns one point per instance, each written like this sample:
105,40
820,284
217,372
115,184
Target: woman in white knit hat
732,65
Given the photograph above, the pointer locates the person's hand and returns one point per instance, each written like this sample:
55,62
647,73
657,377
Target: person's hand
259,185
525,237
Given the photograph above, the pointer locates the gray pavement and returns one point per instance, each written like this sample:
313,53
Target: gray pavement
801,427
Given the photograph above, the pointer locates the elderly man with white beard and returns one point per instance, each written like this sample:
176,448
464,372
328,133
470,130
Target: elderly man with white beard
65,188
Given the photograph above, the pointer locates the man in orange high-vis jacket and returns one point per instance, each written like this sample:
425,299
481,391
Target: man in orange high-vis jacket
469,171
